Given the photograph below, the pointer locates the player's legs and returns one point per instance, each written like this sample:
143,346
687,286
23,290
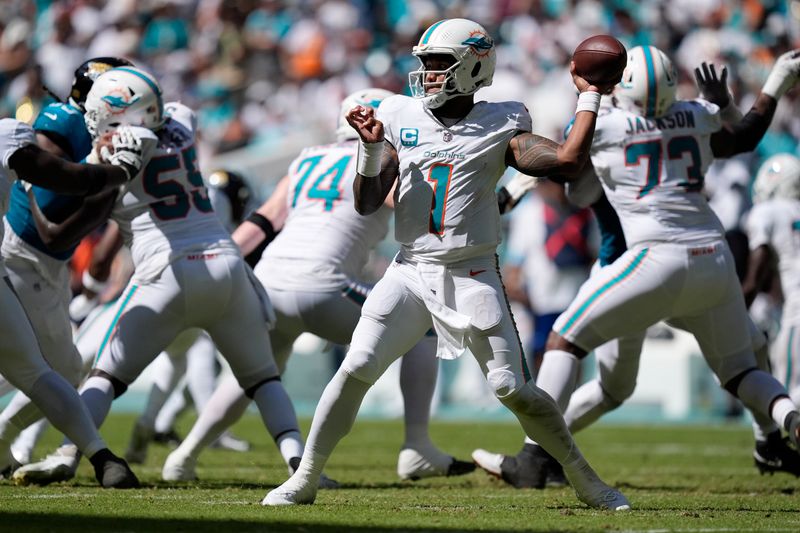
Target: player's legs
168,369
43,291
496,347
251,357
22,364
785,358
393,319
617,368
723,331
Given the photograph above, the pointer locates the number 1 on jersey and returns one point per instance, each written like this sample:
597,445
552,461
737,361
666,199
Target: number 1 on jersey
439,175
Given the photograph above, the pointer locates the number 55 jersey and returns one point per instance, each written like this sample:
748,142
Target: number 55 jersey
165,213
652,170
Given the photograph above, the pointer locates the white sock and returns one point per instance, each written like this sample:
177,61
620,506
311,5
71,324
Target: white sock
333,419
172,409
223,409
20,413
558,376
587,404
418,373
63,407
97,394
201,370
23,446
279,417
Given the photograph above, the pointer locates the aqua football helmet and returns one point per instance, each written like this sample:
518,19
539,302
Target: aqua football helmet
124,95
778,177
649,82
366,98
473,51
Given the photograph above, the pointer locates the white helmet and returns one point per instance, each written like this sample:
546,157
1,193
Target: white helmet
649,81
473,51
365,97
124,95
778,177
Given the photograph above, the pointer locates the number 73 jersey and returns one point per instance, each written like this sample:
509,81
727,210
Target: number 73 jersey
652,171
445,203
164,213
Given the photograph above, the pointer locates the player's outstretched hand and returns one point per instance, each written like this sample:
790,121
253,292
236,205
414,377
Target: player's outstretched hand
713,88
127,151
784,74
362,119
583,84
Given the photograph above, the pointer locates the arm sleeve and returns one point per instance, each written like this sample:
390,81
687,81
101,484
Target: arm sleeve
759,226
13,136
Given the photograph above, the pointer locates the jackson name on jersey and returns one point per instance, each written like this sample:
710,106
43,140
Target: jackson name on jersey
652,171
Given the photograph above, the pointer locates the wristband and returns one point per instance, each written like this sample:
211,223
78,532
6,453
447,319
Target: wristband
92,283
778,82
264,224
588,101
369,158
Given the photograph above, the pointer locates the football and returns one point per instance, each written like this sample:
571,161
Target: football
600,59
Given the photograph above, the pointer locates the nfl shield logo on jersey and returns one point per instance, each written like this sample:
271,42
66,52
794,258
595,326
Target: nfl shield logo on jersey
447,136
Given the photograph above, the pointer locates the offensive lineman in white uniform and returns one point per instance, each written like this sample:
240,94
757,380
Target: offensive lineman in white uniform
310,272
650,154
618,359
188,273
21,361
446,153
773,228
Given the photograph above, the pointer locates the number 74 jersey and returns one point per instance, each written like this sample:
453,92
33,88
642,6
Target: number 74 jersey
164,213
652,171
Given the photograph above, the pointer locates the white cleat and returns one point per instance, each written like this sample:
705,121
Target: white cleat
229,441
491,462
140,440
59,466
416,464
295,491
325,482
179,467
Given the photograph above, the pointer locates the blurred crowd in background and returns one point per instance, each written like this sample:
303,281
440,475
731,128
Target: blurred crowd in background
255,69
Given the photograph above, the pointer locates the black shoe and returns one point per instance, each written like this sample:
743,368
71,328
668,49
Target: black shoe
776,454
112,472
555,474
169,438
527,469
459,468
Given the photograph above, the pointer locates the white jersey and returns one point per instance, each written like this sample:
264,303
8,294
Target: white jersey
776,223
164,213
13,136
324,241
652,171
445,203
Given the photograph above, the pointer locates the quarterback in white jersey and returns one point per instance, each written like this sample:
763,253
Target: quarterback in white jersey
21,361
650,153
188,273
445,153
773,228
311,271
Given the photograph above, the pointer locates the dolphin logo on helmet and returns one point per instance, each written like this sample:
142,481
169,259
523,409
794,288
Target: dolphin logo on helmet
475,57
123,95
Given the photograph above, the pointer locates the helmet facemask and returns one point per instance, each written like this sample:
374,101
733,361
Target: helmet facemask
447,87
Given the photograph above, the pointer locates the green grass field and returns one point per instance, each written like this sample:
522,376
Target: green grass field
677,478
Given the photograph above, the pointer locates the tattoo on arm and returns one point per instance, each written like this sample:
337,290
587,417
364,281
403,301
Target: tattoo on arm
533,154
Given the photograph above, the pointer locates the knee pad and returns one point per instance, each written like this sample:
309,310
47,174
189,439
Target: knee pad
363,366
503,382
119,386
